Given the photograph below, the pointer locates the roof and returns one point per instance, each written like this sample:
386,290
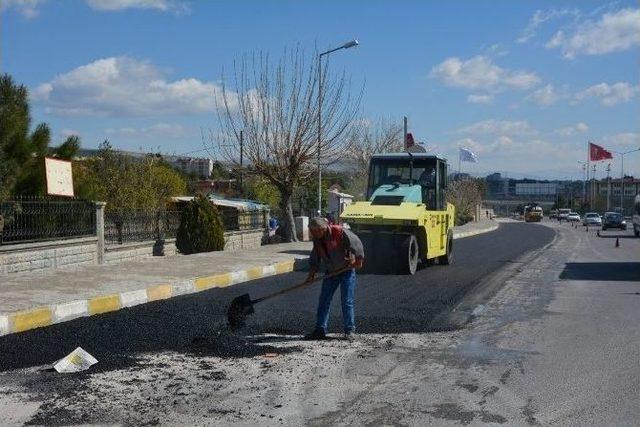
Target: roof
417,156
339,194
239,204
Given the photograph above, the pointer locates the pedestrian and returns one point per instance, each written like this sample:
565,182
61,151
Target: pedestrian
334,248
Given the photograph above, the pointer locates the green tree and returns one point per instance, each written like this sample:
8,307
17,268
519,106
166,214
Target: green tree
128,185
260,189
22,153
201,228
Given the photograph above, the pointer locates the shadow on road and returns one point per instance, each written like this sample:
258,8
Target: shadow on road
601,271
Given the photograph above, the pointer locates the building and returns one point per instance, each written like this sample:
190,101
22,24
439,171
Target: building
202,167
606,193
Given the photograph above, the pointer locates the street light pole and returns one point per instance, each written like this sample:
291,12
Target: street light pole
622,154
347,45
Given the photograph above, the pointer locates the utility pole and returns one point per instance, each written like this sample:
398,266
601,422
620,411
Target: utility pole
405,122
241,162
592,187
608,187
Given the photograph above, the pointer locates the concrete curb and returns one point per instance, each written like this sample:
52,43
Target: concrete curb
463,234
43,316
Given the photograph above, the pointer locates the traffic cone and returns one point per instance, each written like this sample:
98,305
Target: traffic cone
617,242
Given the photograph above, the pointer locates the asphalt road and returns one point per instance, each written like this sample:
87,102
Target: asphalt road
384,304
175,362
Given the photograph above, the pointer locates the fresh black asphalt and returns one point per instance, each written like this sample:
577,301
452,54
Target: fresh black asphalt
197,322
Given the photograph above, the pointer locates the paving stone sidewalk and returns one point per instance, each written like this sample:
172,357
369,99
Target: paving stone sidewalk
31,300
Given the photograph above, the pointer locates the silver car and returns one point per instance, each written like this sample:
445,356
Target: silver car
592,218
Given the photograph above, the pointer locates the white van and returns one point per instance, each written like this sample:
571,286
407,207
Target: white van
636,216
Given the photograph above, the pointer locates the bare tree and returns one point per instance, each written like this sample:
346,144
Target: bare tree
383,136
465,195
275,105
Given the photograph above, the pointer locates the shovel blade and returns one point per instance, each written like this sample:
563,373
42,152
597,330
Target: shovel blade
239,309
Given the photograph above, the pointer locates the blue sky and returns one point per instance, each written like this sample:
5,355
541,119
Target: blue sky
523,84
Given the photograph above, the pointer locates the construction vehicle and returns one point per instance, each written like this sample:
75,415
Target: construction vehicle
406,219
533,213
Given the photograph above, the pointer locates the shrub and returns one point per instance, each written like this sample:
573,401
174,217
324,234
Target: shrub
201,228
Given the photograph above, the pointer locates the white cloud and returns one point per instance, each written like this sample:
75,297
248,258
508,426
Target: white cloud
498,127
542,16
117,5
572,130
615,31
480,99
122,86
69,132
164,130
28,8
623,141
609,95
480,72
544,96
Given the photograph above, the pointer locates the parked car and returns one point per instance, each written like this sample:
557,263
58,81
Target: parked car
613,220
563,213
573,216
592,218
636,217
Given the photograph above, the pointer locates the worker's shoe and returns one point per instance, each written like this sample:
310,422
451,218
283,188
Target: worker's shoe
317,334
350,336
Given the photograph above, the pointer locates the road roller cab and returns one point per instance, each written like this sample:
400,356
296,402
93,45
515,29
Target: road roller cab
406,219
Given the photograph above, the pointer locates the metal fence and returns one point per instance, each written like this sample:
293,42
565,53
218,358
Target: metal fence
40,219
140,226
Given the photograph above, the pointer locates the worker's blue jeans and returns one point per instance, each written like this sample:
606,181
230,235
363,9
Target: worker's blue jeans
347,283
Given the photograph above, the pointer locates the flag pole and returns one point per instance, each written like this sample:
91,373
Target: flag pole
586,182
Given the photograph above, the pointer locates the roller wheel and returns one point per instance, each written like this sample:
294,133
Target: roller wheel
447,258
408,255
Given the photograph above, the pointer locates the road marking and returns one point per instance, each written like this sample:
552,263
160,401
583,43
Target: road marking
4,325
268,270
131,298
183,287
31,319
238,276
254,273
70,310
104,304
217,281
158,292
284,267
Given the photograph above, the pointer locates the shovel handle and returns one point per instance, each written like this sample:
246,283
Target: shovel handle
303,284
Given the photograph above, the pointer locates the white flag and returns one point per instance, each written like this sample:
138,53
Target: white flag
467,155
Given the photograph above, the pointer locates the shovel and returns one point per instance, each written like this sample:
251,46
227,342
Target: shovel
242,306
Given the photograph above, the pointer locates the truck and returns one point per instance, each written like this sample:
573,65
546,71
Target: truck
533,213
405,219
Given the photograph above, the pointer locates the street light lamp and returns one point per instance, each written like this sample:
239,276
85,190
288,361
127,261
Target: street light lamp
347,45
622,154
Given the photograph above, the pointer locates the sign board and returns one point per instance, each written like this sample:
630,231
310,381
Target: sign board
59,177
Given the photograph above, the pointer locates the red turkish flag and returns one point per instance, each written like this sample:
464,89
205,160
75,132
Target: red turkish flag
596,153
410,141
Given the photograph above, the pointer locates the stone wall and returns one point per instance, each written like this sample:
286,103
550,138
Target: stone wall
247,239
137,250
42,256
48,255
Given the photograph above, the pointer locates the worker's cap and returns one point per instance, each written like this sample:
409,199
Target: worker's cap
318,222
